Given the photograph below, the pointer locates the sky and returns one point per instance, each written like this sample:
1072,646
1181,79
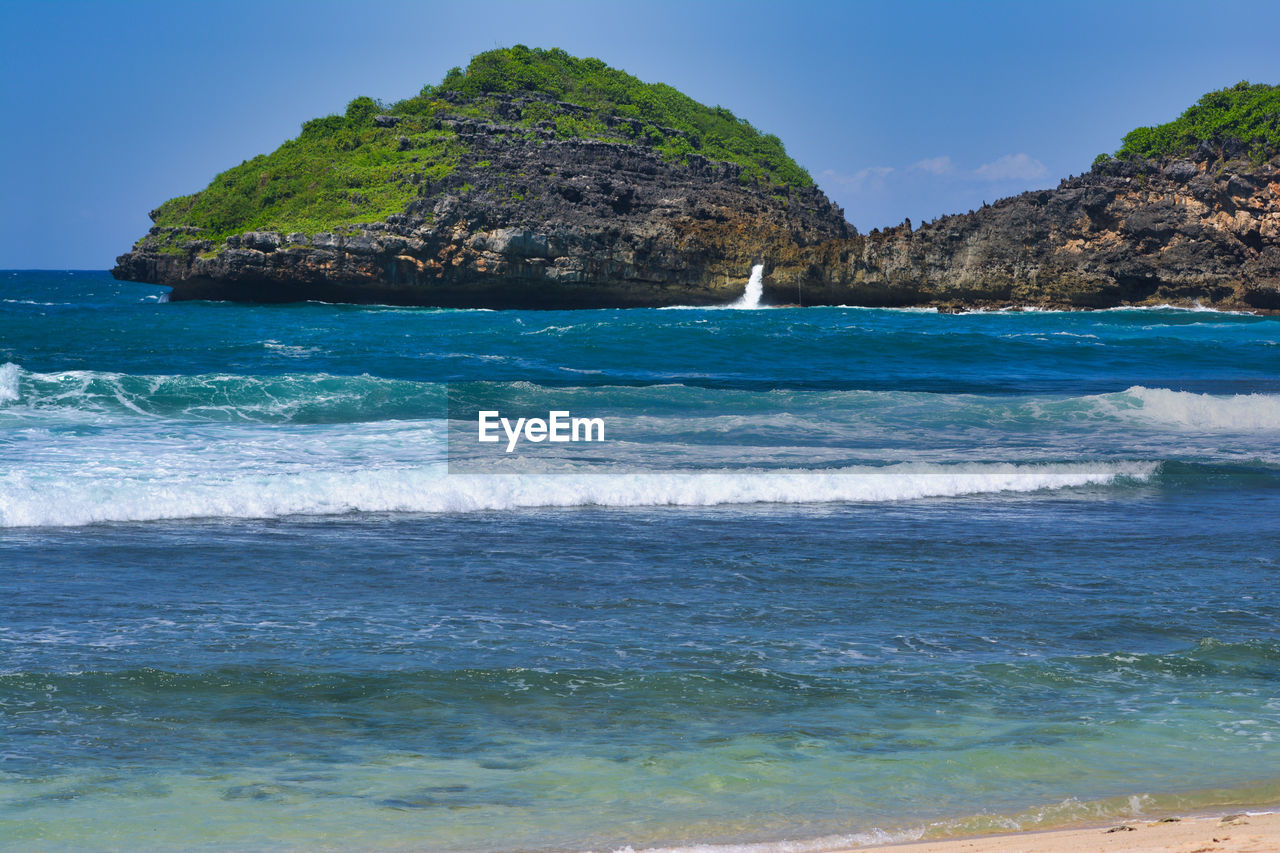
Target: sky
897,109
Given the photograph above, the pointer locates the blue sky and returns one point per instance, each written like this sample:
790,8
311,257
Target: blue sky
897,109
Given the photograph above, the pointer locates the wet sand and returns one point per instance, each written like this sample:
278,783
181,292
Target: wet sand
1236,833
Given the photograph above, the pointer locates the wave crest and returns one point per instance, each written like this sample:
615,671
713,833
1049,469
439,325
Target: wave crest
1188,410
430,490
9,382
215,397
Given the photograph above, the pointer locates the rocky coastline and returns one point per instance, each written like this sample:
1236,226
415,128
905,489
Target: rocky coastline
523,217
1203,230
545,223
614,226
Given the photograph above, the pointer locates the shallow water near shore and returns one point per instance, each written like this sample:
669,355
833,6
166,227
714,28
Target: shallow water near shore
884,574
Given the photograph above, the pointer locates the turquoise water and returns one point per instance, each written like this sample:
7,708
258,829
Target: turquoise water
839,574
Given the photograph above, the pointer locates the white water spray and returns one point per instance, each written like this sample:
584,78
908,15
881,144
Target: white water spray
755,286
8,382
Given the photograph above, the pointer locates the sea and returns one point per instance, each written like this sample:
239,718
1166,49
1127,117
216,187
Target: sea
831,576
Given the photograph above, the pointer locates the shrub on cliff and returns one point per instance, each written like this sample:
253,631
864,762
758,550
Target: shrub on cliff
1247,114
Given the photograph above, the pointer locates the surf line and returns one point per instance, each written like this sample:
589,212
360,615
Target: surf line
558,426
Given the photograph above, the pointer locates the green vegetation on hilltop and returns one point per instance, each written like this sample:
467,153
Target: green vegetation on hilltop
373,160
1246,112
714,132
339,171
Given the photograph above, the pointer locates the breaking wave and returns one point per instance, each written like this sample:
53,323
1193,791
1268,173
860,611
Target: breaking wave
430,490
1209,412
287,398
323,398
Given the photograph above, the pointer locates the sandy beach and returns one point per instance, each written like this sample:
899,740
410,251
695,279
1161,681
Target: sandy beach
1233,833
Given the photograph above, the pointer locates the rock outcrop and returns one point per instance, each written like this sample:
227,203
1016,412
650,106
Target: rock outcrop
524,223
1204,229
539,180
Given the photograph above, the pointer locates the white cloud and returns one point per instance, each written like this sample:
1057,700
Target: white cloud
871,177
1011,167
931,176
934,165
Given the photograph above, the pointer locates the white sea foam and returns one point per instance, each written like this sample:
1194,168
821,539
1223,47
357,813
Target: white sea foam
811,845
9,382
909,309
93,395
107,494
1016,309
1205,412
1194,308
755,288
289,349
749,300
1068,812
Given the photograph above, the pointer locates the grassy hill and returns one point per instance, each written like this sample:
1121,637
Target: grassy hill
376,158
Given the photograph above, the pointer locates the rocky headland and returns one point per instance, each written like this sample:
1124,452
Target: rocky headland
538,180
1198,230
522,221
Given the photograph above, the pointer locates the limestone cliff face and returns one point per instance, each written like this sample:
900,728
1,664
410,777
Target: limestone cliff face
524,223
546,223
1200,230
